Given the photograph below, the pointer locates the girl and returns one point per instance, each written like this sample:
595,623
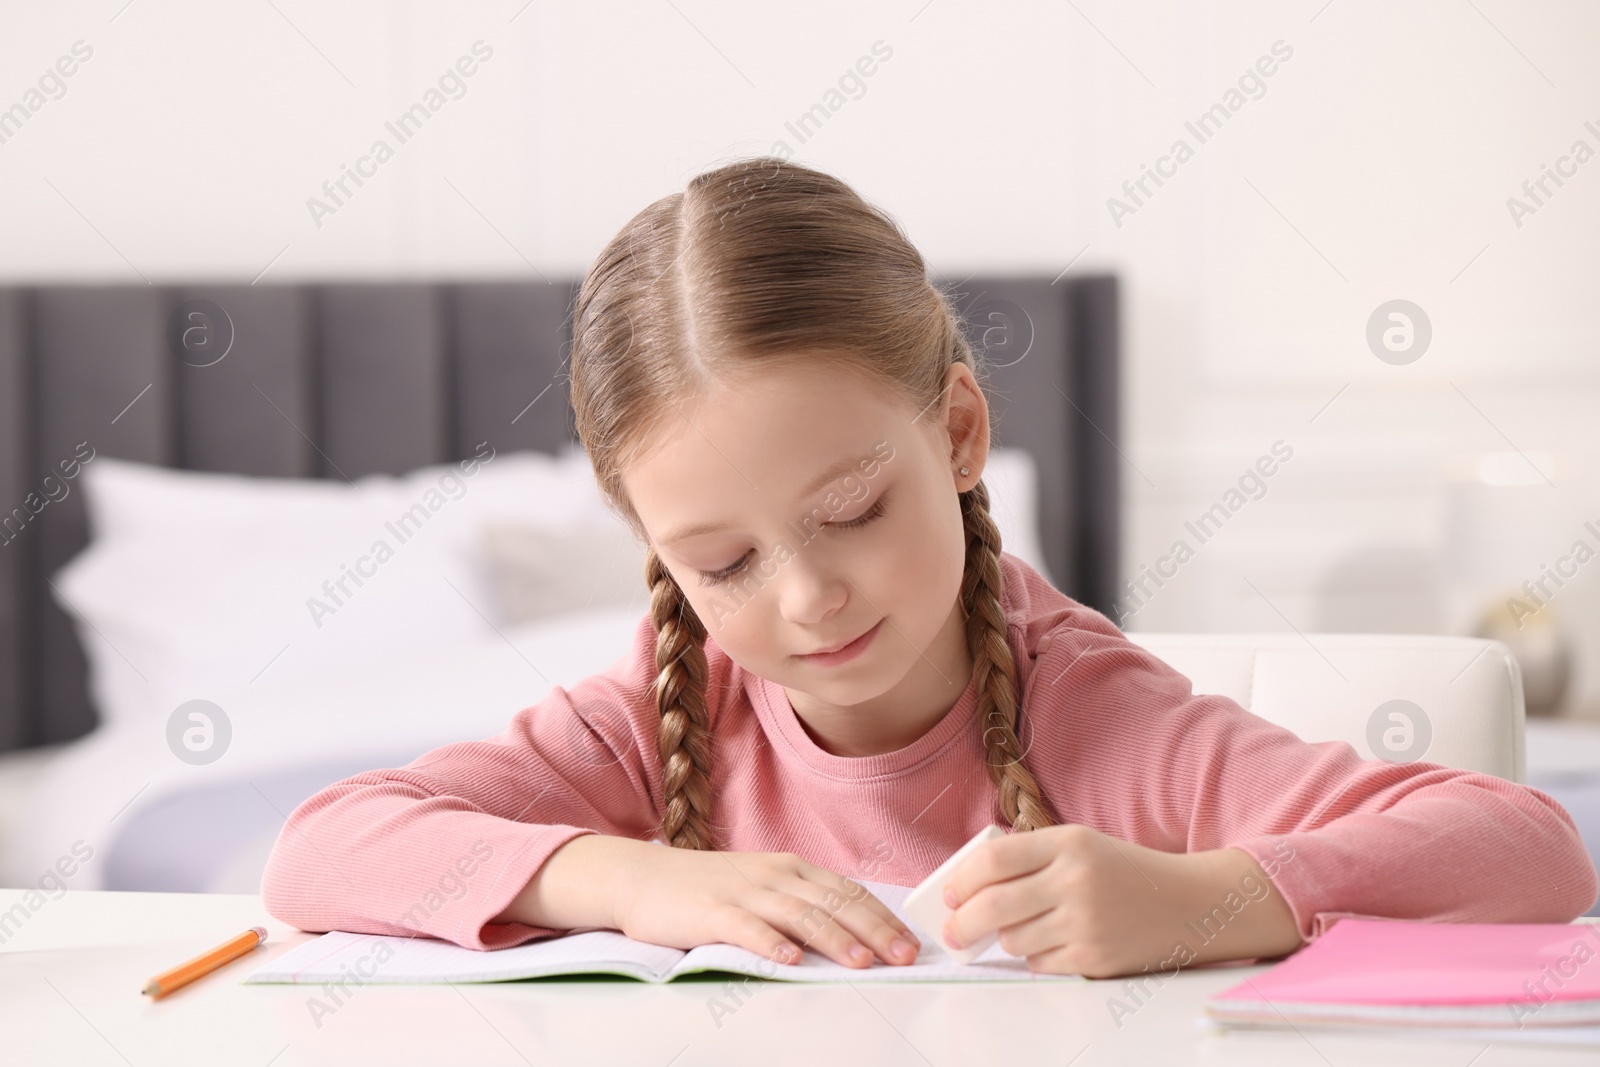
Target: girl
843,675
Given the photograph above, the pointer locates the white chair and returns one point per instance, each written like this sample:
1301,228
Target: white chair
1463,695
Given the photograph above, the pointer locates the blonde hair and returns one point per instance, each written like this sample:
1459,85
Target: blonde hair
754,264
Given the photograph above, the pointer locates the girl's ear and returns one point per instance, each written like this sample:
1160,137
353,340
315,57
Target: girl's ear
967,422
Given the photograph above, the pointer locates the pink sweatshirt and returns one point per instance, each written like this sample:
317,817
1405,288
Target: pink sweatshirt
1115,737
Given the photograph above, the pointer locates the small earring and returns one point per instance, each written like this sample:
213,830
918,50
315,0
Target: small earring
963,472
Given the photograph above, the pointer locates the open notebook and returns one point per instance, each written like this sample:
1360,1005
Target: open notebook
366,958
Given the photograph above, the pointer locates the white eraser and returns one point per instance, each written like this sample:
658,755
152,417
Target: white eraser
926,905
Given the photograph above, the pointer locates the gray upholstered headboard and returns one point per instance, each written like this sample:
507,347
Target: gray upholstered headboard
342,380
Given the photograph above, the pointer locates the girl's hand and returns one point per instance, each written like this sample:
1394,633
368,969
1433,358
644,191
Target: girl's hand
1075,901
772,903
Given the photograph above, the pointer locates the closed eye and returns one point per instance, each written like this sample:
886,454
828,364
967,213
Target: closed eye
726,574
865,517
719,577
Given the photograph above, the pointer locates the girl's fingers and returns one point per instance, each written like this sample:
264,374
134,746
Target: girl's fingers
871,920
1040,934
811,925
739,926
856,893
997,906
1002,859
867,919
1060,960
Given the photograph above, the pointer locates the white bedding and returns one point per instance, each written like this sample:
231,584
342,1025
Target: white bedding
96,789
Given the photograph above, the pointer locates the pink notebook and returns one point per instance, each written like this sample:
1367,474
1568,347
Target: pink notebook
1391,973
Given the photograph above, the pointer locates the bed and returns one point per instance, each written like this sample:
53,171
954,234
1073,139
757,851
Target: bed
197,468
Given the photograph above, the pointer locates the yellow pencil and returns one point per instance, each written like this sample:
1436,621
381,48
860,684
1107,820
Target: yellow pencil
182,975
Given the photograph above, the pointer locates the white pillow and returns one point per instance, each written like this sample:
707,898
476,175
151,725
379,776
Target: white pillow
537,572
131,499
195,582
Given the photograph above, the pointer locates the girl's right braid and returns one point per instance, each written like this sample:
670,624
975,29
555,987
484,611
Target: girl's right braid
685,737
1021,801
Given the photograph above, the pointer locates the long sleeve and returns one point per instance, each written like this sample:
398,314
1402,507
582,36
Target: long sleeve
443,845
1155,764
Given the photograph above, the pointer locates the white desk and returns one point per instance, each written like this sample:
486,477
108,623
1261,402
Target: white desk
70,980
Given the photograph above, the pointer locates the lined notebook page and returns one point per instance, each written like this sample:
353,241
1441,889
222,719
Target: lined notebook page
339,955
373,958
931,966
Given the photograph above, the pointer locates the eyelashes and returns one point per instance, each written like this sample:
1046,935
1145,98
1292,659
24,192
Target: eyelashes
725,575
865,517
722,576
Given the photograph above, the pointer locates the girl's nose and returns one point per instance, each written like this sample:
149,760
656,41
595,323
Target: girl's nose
811,589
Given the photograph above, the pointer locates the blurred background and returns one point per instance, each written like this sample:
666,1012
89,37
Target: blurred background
1354,236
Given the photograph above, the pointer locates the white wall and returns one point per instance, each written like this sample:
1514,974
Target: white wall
1376,165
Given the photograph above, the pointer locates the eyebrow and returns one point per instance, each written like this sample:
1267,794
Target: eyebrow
836,470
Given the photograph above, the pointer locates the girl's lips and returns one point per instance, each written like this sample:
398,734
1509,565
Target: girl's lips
848,652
